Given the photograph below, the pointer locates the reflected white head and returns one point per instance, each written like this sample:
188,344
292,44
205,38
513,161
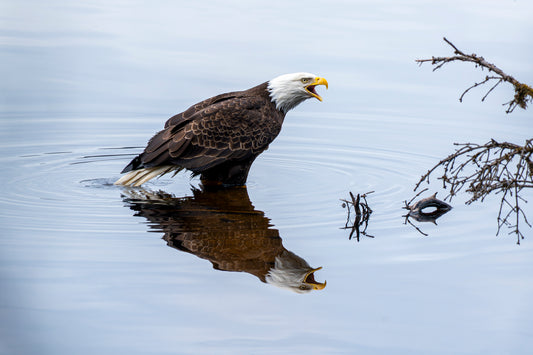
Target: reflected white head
293,273
289,90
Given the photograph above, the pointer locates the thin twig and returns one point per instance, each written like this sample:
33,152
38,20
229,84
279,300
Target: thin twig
362,215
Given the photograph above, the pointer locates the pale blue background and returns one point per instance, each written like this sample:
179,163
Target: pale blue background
80,275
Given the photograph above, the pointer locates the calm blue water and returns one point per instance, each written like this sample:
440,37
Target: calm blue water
84,270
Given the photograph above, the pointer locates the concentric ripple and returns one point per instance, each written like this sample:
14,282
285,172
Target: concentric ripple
298,181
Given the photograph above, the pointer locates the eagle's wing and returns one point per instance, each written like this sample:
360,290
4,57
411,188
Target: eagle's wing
185,115
231,128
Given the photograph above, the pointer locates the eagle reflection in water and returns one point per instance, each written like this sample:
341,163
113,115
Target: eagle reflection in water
222,226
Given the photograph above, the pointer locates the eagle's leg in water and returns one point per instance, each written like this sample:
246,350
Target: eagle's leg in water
227,174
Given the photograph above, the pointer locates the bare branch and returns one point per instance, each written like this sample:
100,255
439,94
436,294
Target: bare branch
494,167
487,78
523,93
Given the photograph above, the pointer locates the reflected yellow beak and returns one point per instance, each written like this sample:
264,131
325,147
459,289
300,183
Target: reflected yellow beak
311,87
320,286
310,280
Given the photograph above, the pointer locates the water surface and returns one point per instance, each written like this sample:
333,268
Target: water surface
87,267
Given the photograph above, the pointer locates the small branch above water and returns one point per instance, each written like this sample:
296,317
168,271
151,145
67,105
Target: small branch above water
493,168
523,93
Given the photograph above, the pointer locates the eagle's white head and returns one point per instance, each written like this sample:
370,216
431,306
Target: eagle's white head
289,90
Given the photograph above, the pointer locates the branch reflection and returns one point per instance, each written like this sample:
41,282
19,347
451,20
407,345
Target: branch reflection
222,226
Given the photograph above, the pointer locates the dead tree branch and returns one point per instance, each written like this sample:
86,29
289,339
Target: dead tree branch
492,168
523,92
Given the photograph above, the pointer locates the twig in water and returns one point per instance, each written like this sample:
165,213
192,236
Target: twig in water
419,210
362,215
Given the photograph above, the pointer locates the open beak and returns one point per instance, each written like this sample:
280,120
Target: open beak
311,87
310,278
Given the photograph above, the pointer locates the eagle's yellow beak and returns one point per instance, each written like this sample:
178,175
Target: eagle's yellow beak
311,87
310,279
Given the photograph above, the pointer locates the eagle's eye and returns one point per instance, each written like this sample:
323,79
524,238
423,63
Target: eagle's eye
305,80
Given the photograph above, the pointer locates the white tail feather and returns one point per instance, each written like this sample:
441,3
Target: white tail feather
139,177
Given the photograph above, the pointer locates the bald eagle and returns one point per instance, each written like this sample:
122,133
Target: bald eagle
219,138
